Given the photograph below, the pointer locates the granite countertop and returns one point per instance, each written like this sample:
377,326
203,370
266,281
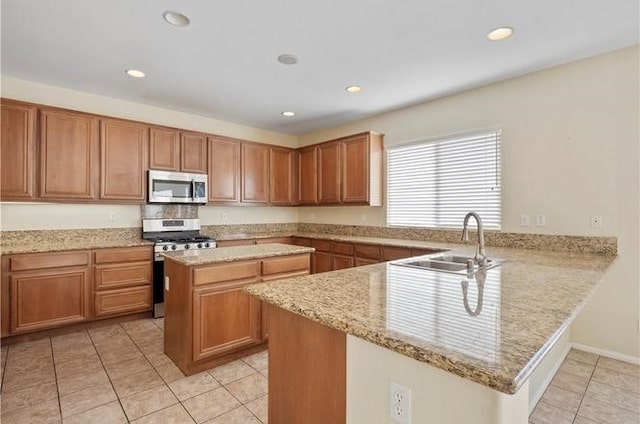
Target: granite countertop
235,253
495,339
14,242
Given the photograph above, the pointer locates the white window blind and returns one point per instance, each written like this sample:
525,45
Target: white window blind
435,183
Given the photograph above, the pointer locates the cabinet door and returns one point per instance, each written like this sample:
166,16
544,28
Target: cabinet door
193,153
224,170
321,262
308,176
164,149
255,173
355,169
68,155
45,299
329,173
283,176
224,318
17,151
341,262
124,149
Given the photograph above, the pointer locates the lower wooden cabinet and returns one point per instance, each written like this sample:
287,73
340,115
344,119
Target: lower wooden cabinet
225,318
122,301
341,262
321,262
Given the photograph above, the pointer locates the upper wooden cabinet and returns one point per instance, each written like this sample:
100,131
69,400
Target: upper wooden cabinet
17,151
172,150
361,169
124,150
164,149
255,173
329,173
343,171
308,175
68,155
224,170
193,153
283,176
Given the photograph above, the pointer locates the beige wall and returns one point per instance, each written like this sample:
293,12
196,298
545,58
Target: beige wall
570,150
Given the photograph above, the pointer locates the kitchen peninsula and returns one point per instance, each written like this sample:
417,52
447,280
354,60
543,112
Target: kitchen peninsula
209,319
466,349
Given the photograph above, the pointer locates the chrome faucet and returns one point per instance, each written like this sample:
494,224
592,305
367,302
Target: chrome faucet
480,256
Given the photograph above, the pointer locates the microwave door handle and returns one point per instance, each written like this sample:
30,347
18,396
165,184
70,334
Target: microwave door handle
193,190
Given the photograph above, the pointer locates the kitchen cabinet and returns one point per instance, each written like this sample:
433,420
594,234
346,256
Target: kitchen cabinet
283,176
172,150
69,156
164,149
124,160
122,280
208,316
308,175
250,242
224,170
361,169
329,173
17,151
255,173
193,153
47,289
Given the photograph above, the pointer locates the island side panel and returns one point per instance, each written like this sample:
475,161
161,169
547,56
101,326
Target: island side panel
307,370
178,319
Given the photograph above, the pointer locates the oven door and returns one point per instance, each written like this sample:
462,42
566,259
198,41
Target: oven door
158,286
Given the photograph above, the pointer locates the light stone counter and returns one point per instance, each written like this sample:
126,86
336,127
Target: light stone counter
235,253
495,338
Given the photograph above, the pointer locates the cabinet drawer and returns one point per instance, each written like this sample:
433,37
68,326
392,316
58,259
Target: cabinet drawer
246,270
284,240
47,260
390,253
286,264
321,245
342,248
130,254
122,275
231,243
122,301
426,251
301,241
367,251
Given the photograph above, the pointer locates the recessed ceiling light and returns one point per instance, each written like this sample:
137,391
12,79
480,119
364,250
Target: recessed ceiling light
500,33
175,18
288,113
354,89
135,73
287,59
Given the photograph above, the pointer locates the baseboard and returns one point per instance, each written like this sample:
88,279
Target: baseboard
608,353
535,398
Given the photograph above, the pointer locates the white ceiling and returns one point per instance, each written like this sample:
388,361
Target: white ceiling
224,64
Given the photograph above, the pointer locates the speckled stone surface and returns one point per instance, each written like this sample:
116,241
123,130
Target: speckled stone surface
557,243
235,253
244,231
510,319
59,240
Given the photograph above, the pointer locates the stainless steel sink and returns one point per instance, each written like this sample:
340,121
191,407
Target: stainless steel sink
455,264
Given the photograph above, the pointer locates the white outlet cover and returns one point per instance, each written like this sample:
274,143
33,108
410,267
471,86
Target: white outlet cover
525,220
399,403
596,221
541,220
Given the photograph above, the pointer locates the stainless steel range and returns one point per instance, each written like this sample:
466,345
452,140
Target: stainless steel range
171,235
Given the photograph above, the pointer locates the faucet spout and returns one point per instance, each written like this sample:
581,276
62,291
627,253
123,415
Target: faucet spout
481,255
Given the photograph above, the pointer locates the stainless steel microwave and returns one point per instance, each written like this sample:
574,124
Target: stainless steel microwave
177,187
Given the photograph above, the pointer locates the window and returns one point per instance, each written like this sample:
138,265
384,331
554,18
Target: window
434,183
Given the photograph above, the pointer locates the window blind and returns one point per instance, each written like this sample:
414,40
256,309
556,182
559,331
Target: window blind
435,183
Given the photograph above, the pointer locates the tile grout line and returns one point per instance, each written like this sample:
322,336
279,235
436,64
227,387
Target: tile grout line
55,378
585,390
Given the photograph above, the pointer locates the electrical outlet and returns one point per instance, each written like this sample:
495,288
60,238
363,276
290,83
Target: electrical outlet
225,217
113,217
541,220
596,221
399,403
525,220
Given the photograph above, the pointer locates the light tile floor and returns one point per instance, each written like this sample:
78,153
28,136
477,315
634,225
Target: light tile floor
591,389
119,374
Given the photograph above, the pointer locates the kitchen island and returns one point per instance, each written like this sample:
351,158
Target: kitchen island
465,349
209,320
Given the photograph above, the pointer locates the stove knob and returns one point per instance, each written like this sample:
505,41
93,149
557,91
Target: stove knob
206,244
165,247
199,245
174,247
187,247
